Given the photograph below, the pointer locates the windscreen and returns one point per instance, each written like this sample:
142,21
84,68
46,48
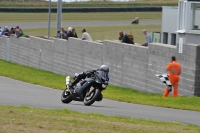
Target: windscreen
101,76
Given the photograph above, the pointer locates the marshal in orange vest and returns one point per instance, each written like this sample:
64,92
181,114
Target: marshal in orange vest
174,70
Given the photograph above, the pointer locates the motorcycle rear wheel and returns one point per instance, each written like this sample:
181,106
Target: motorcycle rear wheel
89,100
66,96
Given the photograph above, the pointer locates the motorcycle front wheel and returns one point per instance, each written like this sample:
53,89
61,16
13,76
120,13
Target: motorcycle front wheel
90,99
66,96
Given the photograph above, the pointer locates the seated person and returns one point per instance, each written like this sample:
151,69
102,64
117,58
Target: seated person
124,38
74,33
12,31
18,32
69,33
58,35
63,33
85,35
4,31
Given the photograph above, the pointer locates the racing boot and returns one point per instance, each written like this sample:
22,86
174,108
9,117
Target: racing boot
71,88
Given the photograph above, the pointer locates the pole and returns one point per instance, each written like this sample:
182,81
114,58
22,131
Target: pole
59,12
49,19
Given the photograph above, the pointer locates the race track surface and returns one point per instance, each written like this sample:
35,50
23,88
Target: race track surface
13,92
29,25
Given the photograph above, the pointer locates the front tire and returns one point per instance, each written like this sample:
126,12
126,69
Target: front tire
66,96
89,100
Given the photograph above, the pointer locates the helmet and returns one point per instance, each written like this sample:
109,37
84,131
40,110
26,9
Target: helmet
104,68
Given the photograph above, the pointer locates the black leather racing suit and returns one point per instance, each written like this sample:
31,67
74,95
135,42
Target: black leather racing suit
83,75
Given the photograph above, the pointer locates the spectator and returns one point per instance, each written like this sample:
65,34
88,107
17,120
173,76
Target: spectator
85,35
4,31
135,21
63,34
12,31
18,32
69,33
74,33
58,34
148,38
124,38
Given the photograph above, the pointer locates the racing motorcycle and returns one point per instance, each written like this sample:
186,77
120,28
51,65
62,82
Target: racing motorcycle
87,90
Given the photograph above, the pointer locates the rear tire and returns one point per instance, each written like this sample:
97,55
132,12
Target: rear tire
66,96
90,101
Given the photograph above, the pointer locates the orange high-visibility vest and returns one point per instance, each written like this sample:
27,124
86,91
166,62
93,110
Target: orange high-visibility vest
174,68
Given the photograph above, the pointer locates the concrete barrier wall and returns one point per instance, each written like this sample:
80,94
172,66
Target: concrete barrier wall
159,57
3,47
130,65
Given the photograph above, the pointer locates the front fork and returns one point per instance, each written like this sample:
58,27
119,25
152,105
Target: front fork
91,90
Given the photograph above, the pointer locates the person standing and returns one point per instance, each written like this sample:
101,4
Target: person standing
148,38
174,70
85,35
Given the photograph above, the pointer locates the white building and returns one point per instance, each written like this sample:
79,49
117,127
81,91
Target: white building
182,23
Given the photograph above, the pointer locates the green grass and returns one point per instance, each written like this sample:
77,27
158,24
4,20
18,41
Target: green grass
103,32
31,120
96,32
57,81
80,17
94,3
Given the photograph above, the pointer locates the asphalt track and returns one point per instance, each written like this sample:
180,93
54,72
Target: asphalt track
13,92
28,25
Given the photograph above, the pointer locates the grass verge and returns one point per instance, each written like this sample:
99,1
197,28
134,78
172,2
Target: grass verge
103,32
24,119
91,3
79,17
57,81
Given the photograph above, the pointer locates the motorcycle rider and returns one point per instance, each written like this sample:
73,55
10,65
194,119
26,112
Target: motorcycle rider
89,74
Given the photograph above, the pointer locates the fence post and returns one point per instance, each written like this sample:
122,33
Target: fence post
8,49
49,18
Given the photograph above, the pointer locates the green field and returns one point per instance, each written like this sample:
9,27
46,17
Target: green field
80,17
57,81
29,120
103,32
91,3
96,32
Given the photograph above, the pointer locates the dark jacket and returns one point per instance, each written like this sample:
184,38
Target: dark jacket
69,34
75,35
126,39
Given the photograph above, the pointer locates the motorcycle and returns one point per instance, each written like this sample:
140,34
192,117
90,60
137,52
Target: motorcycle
87,90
